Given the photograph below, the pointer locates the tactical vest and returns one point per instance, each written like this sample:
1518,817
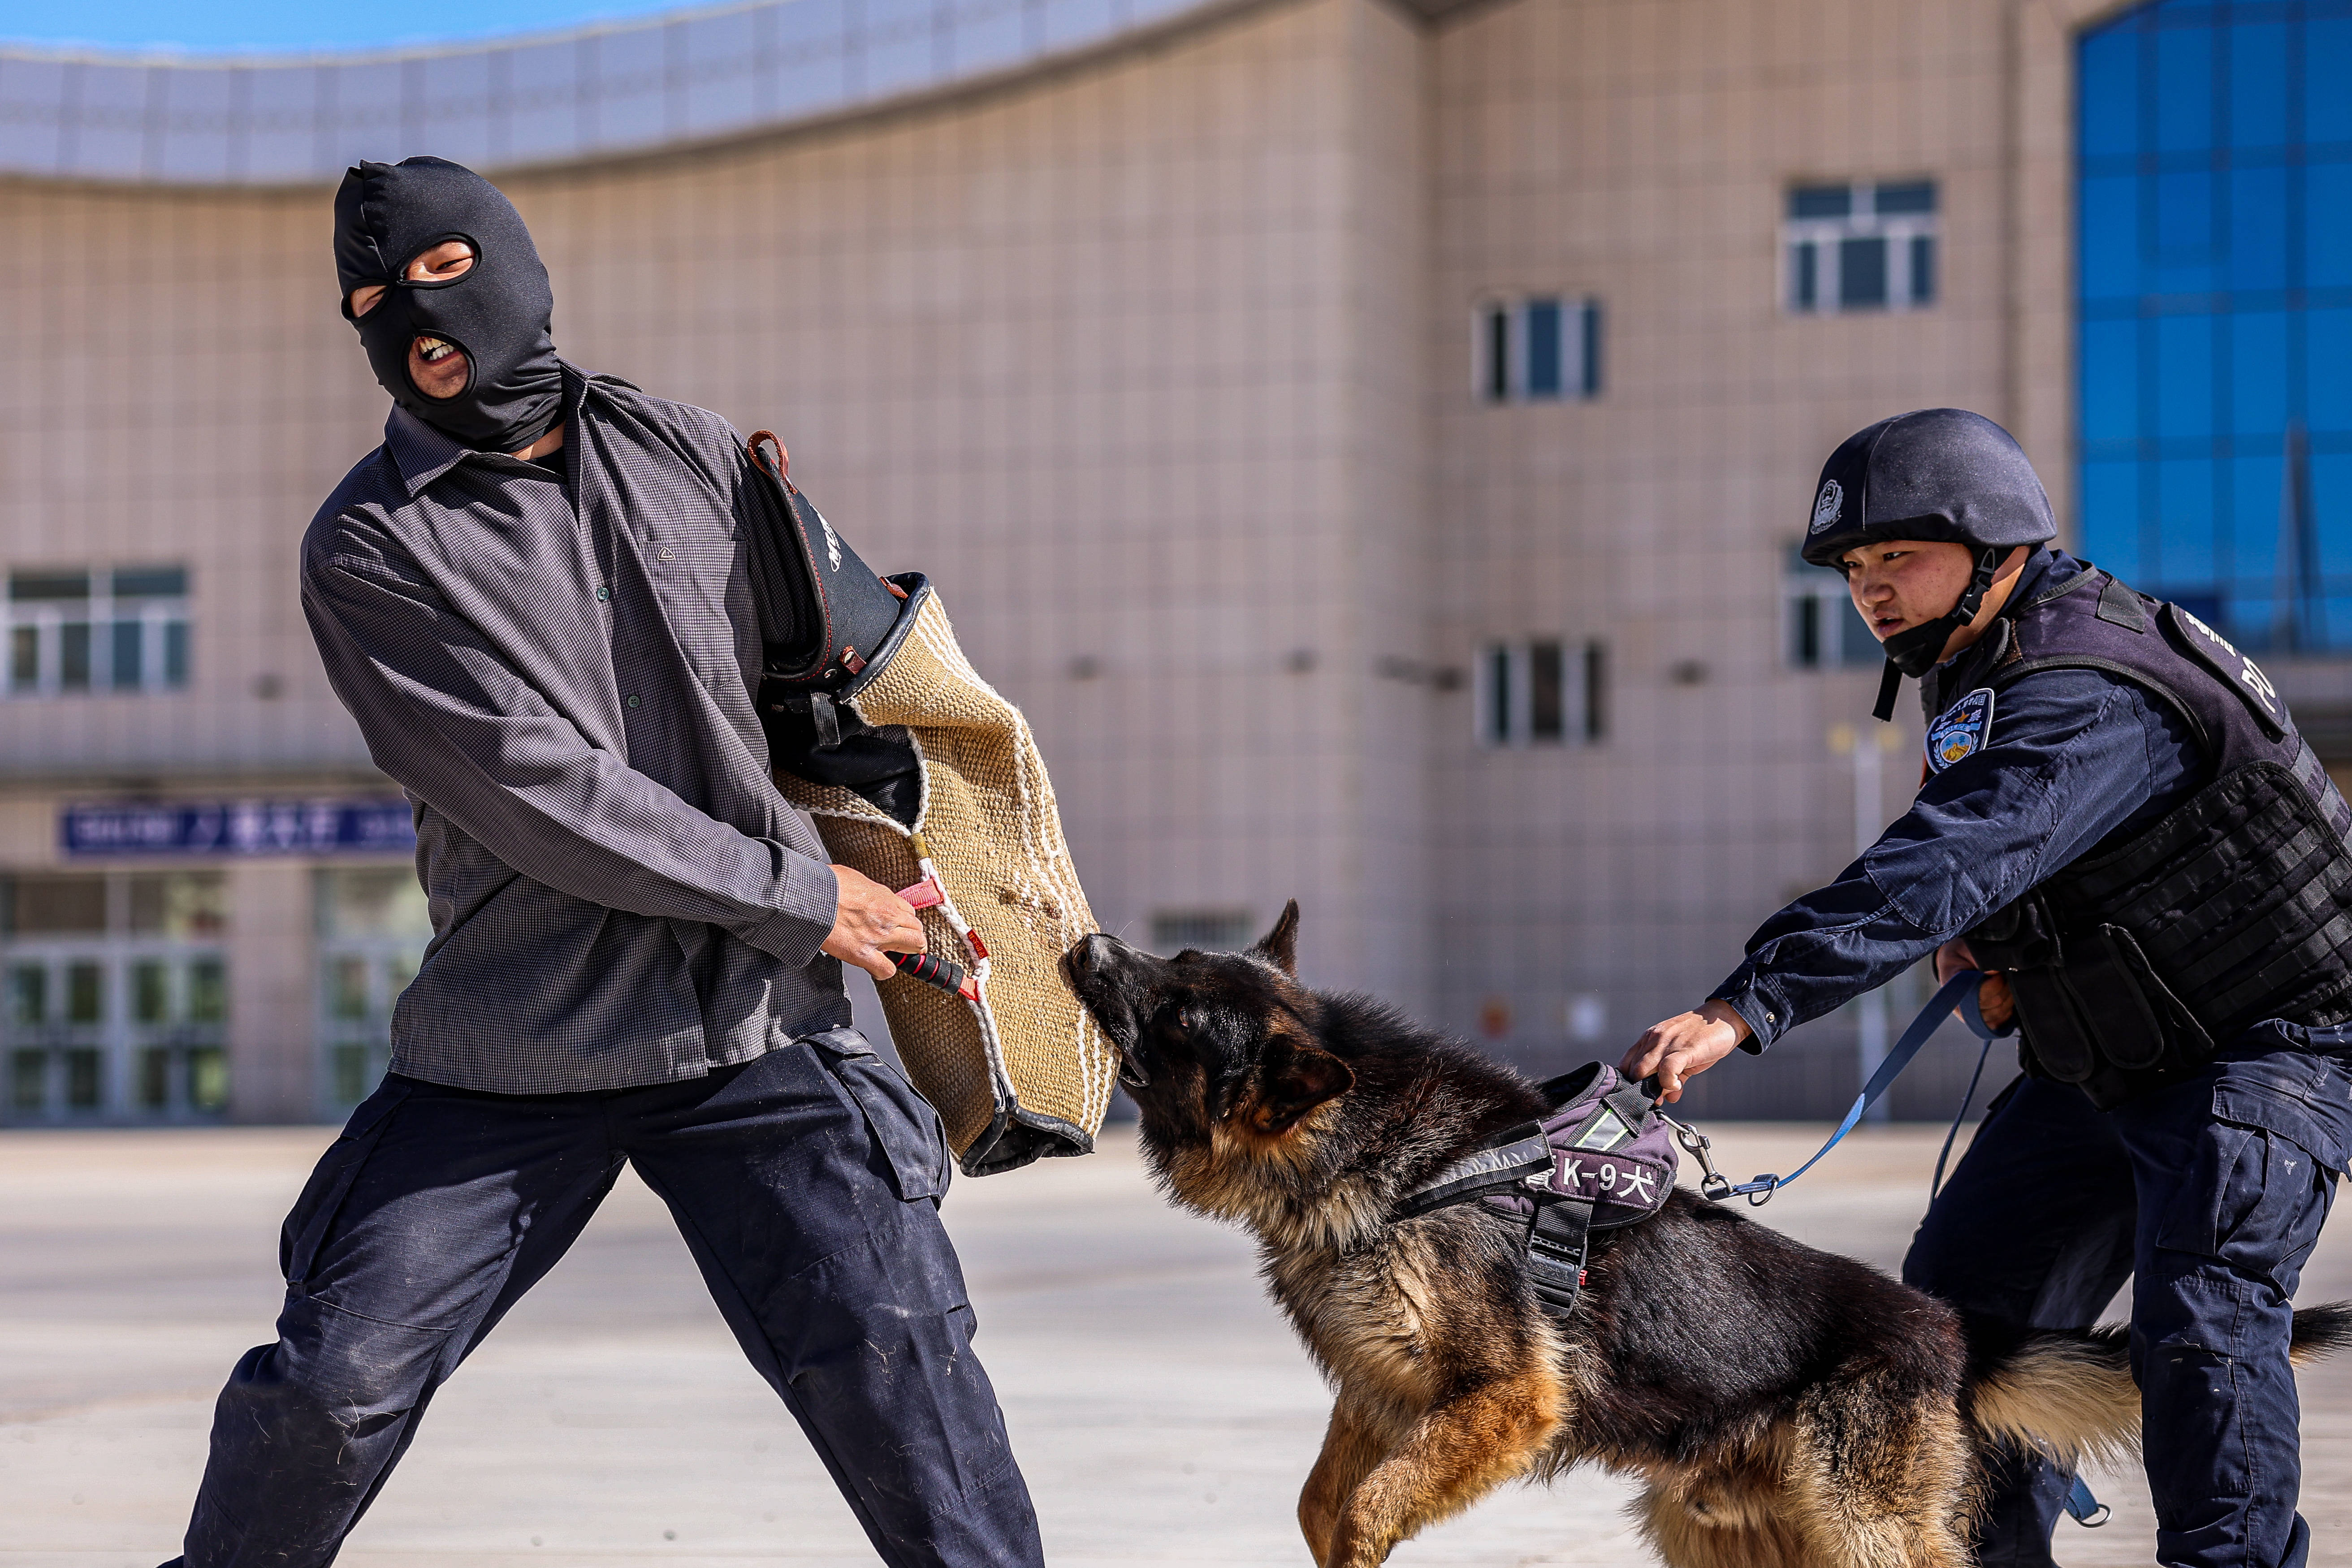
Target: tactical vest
2133,964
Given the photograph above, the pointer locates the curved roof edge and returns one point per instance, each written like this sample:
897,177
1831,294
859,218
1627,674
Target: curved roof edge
593,93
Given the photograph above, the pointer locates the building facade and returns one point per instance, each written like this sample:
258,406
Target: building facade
1366,440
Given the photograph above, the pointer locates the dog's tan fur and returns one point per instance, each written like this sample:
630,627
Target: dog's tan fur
1442,1398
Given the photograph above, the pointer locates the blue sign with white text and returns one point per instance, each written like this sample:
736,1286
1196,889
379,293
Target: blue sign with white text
238,828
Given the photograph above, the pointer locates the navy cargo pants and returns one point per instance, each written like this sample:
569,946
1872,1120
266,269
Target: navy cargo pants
806,1183
2208,1195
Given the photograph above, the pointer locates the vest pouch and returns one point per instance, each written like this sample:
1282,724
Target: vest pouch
2058,1042
2105,971
2020,940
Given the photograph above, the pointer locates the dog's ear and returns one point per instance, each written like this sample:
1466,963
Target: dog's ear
1292,1079
1280,945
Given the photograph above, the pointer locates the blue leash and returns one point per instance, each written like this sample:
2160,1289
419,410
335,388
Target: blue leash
1958,995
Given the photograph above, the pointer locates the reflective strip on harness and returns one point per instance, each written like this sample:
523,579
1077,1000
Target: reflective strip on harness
1488,1168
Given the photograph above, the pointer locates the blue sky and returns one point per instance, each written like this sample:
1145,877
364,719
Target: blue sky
261,24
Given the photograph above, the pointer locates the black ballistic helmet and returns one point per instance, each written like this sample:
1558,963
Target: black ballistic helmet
1937,474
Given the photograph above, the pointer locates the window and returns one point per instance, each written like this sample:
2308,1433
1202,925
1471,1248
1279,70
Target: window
1861,247
1544,691
77,630
1541,349
1824,631
2214,193
1210,931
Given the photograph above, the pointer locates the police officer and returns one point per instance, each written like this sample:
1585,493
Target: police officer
2118,821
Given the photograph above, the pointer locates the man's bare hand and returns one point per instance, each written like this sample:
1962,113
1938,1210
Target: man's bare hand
1995,1000
1681,1048
870,923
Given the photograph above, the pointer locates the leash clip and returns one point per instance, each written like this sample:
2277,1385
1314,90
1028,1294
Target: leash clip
1712,1184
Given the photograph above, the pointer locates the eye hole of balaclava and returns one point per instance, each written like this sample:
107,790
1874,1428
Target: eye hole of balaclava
439,264
497,311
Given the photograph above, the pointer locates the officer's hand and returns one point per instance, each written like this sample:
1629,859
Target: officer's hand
870,923
1995,1000
1683,1046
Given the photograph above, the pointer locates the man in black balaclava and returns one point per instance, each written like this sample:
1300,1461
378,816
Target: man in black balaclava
532,598
461,343
2118,821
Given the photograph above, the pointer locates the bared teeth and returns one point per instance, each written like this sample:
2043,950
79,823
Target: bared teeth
433,350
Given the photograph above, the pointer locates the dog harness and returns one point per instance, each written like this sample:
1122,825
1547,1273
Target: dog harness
1600,1159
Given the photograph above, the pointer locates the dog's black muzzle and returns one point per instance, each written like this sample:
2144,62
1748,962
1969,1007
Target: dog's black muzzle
1107,974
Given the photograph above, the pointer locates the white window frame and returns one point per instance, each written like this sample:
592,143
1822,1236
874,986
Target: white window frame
1582,342
99,610
1861,221
1583,712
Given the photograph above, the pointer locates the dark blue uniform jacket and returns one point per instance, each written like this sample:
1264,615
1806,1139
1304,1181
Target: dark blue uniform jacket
2070,756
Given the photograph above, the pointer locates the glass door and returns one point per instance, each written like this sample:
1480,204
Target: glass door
372,928
114,996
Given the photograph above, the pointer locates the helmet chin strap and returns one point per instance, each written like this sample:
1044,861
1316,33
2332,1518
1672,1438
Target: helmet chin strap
1916,652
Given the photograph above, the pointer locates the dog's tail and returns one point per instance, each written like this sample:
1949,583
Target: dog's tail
2070,1395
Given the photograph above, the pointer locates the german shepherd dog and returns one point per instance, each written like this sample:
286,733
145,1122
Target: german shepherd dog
1783,1407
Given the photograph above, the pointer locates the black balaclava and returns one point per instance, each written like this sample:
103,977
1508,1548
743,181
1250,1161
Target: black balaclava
497,312
1939,473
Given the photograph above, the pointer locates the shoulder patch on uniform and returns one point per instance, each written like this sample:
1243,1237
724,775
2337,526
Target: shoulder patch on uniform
2242,674
1828,505
1960,730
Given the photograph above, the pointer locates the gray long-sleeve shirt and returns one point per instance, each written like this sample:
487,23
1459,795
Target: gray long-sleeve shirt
560,669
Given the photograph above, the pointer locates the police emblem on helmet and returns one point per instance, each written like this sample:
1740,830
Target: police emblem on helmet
1826,508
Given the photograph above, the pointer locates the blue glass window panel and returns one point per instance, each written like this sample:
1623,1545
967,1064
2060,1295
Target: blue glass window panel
1805,632
1498,354
73,655
2333,618
2184,230
2258,372
2184,376
2110,380
1910,196
2184,88
2331,512
1861,273
2327,360
1922,269
151,582
1820,201
1804,275
2326,69
2258,246
2110,93
2258,99
176,653
2111,238
1543,348
2111,517
1592,367
2327,224
2254,521
2184,509
1856,644
127,642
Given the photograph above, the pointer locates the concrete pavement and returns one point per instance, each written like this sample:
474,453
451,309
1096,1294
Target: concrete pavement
1161,1408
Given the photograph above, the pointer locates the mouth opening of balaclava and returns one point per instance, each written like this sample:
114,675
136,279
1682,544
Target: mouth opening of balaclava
499,312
